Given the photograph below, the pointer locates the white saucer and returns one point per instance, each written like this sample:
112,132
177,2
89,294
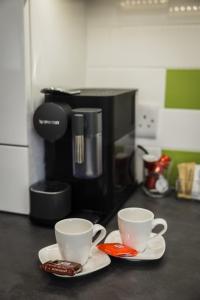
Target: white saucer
97,261
155,249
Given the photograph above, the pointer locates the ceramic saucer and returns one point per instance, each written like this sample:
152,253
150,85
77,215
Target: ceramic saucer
155,249
97,261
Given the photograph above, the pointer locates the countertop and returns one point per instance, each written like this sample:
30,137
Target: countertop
175,276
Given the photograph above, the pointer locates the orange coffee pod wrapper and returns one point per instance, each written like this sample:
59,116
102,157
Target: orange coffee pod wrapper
117,249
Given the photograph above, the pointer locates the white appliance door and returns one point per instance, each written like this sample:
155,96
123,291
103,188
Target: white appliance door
13,115
14,179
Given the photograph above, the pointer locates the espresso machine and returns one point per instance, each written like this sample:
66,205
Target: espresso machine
89,137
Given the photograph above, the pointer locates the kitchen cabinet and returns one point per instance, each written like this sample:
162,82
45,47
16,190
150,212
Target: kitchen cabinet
14,179
14,175
13,118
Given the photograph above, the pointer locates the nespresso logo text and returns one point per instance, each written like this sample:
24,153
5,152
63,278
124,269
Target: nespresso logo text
49,122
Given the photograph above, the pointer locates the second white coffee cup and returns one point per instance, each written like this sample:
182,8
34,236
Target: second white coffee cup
74,237
135,226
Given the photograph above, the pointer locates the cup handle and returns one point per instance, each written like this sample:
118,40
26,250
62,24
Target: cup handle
96,228
159,221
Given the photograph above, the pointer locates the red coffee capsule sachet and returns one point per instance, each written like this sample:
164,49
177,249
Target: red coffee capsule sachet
61,267
117,249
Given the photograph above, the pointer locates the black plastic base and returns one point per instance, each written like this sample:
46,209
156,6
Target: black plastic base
94,216
103,218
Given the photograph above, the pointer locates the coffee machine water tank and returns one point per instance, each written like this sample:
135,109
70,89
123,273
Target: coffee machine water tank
87,142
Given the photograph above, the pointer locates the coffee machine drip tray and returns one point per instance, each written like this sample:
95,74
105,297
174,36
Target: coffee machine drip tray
104,217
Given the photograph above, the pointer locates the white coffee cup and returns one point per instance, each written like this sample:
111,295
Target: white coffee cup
74,237
135,226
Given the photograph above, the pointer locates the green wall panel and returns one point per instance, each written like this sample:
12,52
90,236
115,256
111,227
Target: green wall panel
179,157
183,89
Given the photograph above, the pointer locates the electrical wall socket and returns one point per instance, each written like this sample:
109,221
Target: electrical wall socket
147,121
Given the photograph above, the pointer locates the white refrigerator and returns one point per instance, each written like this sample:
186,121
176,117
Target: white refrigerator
42,43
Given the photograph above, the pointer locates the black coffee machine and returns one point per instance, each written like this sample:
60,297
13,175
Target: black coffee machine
89,145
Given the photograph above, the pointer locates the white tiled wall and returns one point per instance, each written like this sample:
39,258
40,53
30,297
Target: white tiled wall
128,38
58,36
180,129
150,82
128,49
158,46
135,53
